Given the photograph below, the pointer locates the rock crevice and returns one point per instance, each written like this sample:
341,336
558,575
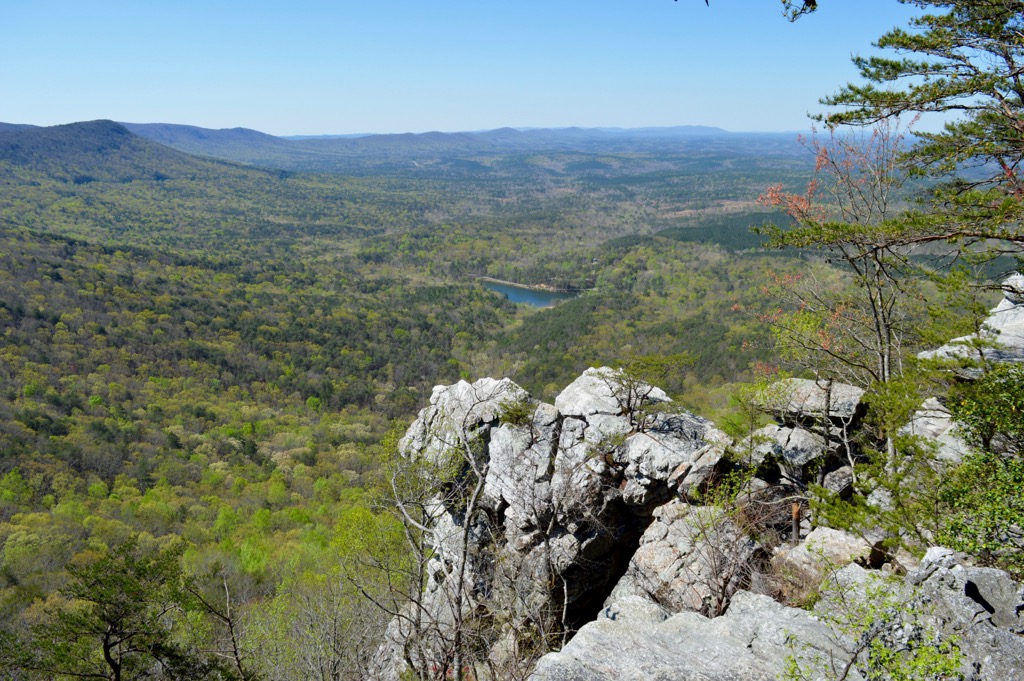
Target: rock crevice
564,502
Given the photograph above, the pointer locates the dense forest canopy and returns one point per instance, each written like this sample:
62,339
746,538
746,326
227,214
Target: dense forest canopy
203,352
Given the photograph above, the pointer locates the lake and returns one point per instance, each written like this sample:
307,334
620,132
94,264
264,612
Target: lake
530,296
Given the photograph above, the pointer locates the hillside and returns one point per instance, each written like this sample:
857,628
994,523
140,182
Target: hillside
97,151
240,145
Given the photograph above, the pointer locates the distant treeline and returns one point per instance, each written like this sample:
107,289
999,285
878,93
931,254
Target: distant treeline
732,232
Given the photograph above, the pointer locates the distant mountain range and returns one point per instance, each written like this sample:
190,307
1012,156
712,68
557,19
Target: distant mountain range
670,131
346,153
366,153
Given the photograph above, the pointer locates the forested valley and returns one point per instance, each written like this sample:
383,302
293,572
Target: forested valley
204,360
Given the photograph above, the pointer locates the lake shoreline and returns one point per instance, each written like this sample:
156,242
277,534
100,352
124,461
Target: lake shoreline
540,296
532,287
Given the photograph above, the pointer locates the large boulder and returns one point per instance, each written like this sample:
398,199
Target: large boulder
632,642
690,558
801,399
677,454
811,438
803,567
605,391
791,452
1013,288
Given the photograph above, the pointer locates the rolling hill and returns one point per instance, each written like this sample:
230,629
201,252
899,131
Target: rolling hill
97,151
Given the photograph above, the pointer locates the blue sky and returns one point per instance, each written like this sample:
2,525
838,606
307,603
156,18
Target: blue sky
347,66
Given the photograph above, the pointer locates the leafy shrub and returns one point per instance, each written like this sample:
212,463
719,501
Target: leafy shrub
517,412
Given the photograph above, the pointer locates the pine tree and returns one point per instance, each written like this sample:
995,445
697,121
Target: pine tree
961,57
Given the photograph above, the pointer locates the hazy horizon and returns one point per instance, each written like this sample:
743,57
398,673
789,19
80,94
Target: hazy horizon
426,132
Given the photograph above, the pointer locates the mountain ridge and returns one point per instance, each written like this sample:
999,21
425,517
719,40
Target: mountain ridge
98,151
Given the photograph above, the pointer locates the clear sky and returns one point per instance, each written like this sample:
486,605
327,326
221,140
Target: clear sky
348,66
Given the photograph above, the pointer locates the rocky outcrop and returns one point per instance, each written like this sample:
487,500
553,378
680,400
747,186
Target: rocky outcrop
546,503
634,642
590,520
977,609
788,451
1002,334
794,400
811,440
691,558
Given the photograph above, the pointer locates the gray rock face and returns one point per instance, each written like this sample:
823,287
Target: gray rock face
1004,327
801,398
455,412
538,518
1007,325
757,637
558,498
984,606
748,643
805,565
811,439
934,423
981,607
793,449
690,558
676,454
603,391
840,481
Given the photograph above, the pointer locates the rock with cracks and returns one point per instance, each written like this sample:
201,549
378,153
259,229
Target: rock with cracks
691,558
796,400
631,643
981,610
535,518
977,609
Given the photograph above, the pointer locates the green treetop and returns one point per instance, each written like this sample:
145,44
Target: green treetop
962,57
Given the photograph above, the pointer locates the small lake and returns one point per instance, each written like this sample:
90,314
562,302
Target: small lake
523,294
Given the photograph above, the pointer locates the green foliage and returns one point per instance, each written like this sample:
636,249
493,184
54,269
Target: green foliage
517,412
885,632
990,410
974,506
749,405
905,486
959,56
984,510
959,306
116,619
981,506
325,620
